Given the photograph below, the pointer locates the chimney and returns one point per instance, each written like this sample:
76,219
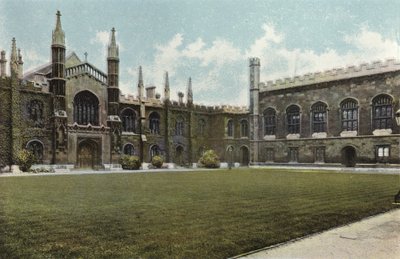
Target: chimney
151,92
180,95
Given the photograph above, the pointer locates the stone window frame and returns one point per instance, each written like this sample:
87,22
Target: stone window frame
293,125
179,126
154,123
269,155
86,108
35,110
154,150
230,128
293,154
319,117
380,103
269,117
201,126
347,105
244,128
126,120
124,149
382,153
319,154
38,154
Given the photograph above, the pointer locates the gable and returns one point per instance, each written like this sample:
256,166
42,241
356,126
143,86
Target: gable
72,60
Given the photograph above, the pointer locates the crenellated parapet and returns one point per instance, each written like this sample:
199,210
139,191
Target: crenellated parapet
335,74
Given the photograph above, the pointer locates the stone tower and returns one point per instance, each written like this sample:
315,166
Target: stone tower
113,121
16,119
254,108
112,75
57,88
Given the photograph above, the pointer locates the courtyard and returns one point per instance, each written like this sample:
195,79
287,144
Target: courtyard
197,214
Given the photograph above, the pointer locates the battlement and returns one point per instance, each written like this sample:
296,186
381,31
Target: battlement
365,69
254,62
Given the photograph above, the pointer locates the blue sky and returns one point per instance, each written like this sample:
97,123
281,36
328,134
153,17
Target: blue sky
209,40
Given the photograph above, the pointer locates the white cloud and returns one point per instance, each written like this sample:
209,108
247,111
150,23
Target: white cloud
32,59
214,65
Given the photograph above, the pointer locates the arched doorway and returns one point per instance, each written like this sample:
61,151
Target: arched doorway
349,156
88,154
179,155
244,156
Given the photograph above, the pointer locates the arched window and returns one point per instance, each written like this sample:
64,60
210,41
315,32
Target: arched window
129,149
318,113
349,111
86,108
244,128
382,112
36,147
128,118
269,121
179,126
154,123
202,127
35,113
154,151
293,119
230,128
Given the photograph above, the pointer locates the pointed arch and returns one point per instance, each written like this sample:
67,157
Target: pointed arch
319,116
293,119
86,108
382,112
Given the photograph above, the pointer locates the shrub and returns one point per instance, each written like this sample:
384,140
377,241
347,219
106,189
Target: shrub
25,159
209,159
157,161
130,162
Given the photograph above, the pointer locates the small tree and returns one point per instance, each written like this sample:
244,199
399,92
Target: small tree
130,162
209,159
25,159
157,161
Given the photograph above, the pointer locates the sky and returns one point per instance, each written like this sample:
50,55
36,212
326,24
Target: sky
208,40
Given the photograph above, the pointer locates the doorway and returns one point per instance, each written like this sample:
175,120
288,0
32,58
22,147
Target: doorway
349,156
88,154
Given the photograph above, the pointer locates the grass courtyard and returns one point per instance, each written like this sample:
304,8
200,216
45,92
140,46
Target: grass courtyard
205,214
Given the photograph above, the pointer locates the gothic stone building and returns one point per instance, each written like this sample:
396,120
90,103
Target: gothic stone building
72,115
340,116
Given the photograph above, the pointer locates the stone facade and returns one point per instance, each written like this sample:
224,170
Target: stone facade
72,115
341,116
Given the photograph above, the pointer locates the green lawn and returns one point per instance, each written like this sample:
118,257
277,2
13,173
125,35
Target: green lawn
208,214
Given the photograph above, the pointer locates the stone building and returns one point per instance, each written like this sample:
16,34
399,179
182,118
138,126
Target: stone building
71,114
341,116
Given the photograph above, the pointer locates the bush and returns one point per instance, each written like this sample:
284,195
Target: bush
25,159
157,161
130,162
209,159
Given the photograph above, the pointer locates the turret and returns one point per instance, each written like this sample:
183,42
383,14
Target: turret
20,65
57,88
140,84
3,64
57,83
166,88
190,92
112,75
254,107
180,97
14,59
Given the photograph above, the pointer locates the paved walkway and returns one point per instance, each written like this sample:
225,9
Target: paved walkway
375,237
